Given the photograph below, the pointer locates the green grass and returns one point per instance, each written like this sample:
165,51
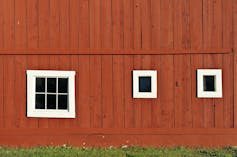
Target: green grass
117,152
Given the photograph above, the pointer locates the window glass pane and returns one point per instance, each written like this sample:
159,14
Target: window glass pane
62,102
51,101
209,83
62,85
40,101
51,85
40,84
145,84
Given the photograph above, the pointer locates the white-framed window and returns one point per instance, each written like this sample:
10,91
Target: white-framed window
209,83
50,93
144,84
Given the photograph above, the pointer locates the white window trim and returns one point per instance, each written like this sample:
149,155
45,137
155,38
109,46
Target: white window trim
218,84
139,73
50,113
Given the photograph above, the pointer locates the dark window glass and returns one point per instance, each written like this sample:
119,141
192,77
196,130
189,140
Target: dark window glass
209,83
62,102
144,84
51,85
40,101
62,85
40,84
51,101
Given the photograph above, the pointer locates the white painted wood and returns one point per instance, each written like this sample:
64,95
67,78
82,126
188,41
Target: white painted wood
49,113
218,83
139,73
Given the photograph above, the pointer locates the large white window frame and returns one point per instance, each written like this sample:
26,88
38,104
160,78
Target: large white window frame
217,73
144,73
31,92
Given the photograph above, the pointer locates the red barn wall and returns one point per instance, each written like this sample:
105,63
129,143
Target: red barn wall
103,41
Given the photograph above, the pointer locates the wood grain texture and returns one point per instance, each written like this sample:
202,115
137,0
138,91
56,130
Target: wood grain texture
104,41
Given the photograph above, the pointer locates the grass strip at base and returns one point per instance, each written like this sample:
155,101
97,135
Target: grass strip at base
66,151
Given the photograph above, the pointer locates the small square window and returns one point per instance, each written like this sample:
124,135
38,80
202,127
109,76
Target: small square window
50,94
144,84
209,83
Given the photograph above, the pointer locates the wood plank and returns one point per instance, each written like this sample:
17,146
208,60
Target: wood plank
196,24
32,24
137,24
95,92
197,103
116,131
9,24
227,22
228,63
129,101
53,51
20,97
235,59
44,31
128,41
228,91
54,25
156,24
84,37
117,24
95,26
2,92
146,24
118,91
64,23
107,91
74,23
182,74
84,99
1,24
167,24
106,24
9,88
166,96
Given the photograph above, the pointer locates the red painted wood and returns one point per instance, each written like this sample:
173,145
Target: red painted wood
74,24
84,87
2,92
155,24
94,86
32,25
9,104
107,91
106,24
197,104
44,25
129,102
103,41
118,91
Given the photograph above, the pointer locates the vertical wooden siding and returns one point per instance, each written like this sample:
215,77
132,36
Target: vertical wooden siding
106,102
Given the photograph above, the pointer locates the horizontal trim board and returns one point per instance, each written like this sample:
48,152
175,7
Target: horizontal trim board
111,131
120,140
110,52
